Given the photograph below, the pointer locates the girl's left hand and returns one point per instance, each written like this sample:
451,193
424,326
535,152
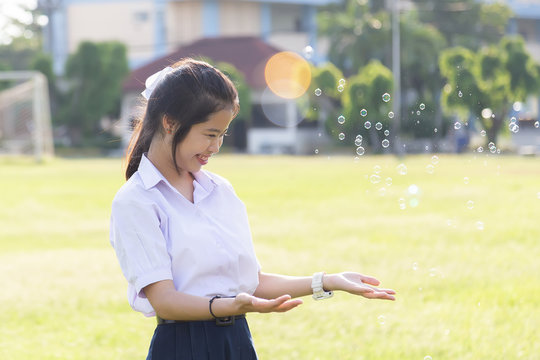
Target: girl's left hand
357,284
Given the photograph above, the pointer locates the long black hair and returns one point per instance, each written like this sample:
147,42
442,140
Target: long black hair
188,95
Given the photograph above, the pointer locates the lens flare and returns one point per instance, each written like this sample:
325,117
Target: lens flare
287,74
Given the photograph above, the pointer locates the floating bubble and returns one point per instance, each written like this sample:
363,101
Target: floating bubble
418,112
360,151
470,204
483,132
433,272
480,149
480,225
422,106
415,266
382,191
341,136
402,204
391,114
340,88
466,180
517,106
460,94
316,151
434,159
487,113
385,143
538,195
513,119
341,82
341,119
363,112
413,189
402,169
358,141
381,319
367,125
388,181
378,126
376,169
413,202
386,97
375,179
308,52
536,124
318,92
386,132
513,127
435,130
427,357
457,125
430,169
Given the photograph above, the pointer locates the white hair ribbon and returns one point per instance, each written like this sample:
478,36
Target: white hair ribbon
153,81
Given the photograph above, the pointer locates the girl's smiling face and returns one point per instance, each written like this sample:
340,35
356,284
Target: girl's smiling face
202,141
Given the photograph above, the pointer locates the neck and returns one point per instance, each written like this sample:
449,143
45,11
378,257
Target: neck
160,155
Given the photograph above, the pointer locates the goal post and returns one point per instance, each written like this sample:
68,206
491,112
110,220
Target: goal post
25,115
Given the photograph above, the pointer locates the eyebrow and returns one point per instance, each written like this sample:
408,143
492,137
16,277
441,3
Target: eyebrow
217,130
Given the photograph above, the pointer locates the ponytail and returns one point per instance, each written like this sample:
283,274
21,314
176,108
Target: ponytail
138,145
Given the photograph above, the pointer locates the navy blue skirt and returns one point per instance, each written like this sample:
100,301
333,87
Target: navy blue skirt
202,340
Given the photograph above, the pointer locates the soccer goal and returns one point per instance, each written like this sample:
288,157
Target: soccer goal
25,115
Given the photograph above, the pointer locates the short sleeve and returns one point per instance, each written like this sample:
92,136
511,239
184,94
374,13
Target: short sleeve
137,238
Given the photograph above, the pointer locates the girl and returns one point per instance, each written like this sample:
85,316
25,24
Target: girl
182,236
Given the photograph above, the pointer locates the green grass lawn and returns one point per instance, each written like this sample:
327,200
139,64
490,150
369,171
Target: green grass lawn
458,241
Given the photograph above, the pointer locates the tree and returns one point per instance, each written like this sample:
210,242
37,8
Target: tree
365,104
466,23
94,73
486,83
238,137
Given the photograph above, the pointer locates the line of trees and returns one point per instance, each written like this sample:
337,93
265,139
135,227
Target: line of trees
456,62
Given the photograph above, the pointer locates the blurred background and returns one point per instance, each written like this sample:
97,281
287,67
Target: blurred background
362,76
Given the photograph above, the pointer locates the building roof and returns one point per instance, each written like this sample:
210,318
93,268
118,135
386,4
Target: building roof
247,54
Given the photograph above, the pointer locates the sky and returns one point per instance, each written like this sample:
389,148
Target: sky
13,9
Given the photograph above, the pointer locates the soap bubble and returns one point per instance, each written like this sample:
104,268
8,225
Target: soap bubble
391,115
367,125
378,126
308,52
385,143
318,92
457,125
363,112
402,169
341,119
341,136
386,97
360,151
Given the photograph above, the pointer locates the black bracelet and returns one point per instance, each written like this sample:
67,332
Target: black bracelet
210,305
212,300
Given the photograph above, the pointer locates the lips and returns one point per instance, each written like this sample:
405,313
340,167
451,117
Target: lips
203,159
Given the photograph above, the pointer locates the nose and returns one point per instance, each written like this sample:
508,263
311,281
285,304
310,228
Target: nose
215,145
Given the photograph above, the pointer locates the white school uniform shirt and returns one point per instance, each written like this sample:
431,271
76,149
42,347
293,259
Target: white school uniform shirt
205,247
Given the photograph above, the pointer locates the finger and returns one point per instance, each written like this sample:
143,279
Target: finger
370,280
289,305
380,295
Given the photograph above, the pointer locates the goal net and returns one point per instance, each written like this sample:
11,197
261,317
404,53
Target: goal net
25,115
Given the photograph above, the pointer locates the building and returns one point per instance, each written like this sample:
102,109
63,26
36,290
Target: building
153,28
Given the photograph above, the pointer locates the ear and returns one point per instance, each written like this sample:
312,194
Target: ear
168,124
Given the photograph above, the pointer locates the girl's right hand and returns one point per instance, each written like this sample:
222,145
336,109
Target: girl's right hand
249,303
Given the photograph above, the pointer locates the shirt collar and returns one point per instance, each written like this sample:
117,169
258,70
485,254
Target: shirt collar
150,176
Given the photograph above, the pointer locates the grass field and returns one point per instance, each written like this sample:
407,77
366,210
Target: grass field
456,236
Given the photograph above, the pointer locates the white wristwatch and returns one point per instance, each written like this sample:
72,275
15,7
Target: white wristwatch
317,287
